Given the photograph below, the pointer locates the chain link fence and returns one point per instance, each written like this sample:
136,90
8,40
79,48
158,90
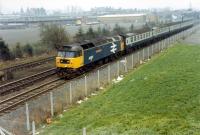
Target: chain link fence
37,111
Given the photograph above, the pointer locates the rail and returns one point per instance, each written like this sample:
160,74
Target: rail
27,65
16,85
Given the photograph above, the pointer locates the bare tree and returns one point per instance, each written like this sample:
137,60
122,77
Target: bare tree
54,35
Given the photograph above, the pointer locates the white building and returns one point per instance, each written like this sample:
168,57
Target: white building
122,18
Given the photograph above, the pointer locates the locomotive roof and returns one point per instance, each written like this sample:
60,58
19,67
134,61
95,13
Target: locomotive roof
88,44
71,47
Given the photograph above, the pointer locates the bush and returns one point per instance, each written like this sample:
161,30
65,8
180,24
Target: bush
18,51
28,49
4,51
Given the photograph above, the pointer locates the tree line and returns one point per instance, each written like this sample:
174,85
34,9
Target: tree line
18,52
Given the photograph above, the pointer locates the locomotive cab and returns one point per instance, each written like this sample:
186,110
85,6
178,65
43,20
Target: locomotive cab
69,57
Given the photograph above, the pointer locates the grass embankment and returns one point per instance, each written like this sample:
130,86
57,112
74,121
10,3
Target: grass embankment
160,97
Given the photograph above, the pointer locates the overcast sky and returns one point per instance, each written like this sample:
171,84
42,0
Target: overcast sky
13,5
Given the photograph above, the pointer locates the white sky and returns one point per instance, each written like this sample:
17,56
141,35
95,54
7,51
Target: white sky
13,5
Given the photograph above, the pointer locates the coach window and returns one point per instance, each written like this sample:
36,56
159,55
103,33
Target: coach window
131,39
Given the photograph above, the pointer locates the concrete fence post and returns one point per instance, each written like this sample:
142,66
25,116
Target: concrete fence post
109,78
132,61
159,48
27,118
151,49
138,57
143,54
98,79
51,101
84,131
148,52
164,44
33,128
118,68
125,64
86,92
70,92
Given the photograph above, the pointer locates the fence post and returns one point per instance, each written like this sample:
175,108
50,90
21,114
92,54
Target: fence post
159,48
70,92
118,68
86,85
151,49
164,44
33,128
109,74
27,118
84,131
98,79
148,52
51,101
138,57
132,60
142,54
125,64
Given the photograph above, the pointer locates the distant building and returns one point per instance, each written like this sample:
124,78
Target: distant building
122,18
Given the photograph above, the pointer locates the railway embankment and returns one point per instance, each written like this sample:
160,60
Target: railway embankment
160,97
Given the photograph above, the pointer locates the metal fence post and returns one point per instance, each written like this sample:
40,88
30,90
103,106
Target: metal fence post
164,44
27,118
132,61
109,74
142,54
86,86
98,79
125,64
159,48
84,131
70,92
51,101
33,128
118,68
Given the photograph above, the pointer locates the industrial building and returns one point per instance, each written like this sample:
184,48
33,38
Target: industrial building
122,18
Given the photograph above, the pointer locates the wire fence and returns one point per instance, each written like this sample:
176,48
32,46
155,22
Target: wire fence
23,120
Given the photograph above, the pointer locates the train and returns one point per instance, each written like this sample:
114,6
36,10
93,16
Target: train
82,56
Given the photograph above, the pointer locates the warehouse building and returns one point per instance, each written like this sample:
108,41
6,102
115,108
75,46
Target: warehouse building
122,18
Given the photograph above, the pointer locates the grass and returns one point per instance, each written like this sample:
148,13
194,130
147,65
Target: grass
160,97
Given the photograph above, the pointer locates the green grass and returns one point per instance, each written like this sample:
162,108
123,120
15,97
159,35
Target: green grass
160,97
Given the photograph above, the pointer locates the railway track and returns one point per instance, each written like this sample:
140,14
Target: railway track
27,65
11,103
24,82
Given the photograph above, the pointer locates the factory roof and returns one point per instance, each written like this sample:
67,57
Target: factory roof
122,15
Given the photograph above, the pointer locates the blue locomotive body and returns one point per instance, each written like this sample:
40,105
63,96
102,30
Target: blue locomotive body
101,51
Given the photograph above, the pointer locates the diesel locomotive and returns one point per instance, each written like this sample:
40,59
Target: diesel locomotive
81,56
